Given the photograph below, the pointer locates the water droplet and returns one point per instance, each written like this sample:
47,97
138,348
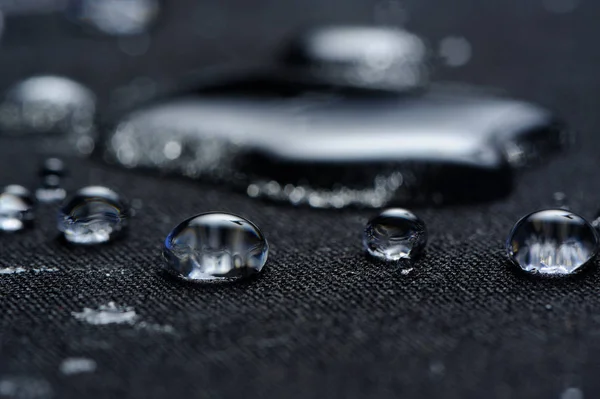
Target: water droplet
553,242
368,57
353,151
93,215
53,106
53,166
560,200
572,393
395,234
215,245
16,208
114,17
77,365
456,51
51,173
560,6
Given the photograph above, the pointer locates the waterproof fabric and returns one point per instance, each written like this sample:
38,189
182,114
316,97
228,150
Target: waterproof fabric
321,321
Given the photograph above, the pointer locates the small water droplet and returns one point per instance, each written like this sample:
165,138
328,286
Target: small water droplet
93,215
51,173
560,200
455,50
16,208
395,234
77,365
53,167
572,393
552,241
215,245
560,6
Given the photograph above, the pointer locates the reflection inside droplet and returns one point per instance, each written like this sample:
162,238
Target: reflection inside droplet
553,241
94,215
395,234
215,246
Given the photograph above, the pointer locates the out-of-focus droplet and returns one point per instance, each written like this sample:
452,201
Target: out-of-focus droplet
51,173
455,51
50,190
553,242
338,149
94,215
115,17
560,200
53,166
560,6
52,106
215,246
16,208
395,234
366,57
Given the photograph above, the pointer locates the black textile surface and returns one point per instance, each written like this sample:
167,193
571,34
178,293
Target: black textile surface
322,320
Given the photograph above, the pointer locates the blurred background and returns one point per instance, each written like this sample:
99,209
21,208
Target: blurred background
321,321
528,48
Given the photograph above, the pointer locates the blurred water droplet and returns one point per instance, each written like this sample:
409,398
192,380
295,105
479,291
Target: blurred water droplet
456,51
94,215
51,173
114,17
367,57
16,208
215,246
560,200
572,393
553,241
560,6
52,106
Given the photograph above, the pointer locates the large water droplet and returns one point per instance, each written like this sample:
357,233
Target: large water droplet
395,234
553,241
338,150
94,215
16,208
54,106
215,245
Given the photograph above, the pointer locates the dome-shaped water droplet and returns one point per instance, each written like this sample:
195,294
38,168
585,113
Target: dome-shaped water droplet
215,245
54,106
553,241
395,234
16,208
94,215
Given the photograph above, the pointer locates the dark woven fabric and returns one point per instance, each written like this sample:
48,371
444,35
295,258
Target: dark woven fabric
321,321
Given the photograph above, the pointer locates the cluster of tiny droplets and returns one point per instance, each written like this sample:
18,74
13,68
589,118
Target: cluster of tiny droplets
383,191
